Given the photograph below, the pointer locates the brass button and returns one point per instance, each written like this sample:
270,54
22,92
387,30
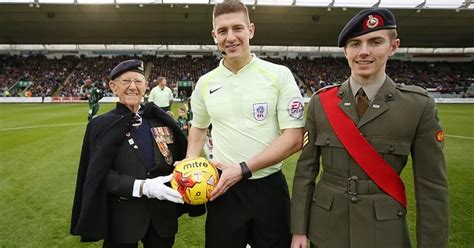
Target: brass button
400,213
354,199
328,142
389,97
392,149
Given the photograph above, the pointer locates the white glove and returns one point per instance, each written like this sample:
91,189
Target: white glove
156,188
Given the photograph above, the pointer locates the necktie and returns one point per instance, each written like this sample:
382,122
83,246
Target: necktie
362,102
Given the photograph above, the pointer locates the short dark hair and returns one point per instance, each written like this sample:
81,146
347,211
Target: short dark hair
229,6
160,79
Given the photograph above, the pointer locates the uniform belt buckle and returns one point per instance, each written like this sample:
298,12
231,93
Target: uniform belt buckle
352,185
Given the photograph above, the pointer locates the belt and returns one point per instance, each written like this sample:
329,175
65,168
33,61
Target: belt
352,185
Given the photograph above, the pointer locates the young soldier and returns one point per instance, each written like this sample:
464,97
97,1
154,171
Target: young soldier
364,131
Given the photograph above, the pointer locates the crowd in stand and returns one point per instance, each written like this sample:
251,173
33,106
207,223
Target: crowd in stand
96,69
181,68
450,78
66,76
39,75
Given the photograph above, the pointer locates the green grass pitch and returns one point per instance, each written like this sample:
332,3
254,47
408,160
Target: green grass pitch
39,153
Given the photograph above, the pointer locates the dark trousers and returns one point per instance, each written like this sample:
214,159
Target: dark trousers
255,212
151,240
94,108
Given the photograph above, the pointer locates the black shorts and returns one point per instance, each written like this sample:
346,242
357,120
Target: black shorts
255,212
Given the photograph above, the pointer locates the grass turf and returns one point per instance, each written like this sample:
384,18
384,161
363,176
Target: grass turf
39,152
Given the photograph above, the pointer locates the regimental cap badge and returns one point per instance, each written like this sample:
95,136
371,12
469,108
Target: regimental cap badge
366,21
141,67
440,136
373,21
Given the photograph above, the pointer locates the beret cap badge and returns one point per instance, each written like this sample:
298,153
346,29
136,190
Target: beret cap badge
373,21
366,21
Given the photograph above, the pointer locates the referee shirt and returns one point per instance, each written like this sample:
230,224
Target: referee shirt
247,109
161,97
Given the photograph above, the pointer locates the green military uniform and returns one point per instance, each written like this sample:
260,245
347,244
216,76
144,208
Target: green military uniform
399,120
94,96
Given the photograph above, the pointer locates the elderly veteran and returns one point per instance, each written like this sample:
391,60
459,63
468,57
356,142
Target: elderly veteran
364,130
122,193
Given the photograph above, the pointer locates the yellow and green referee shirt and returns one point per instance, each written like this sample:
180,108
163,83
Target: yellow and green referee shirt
247,110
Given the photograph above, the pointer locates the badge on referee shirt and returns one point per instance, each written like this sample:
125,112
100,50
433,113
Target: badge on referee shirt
260,111
296,108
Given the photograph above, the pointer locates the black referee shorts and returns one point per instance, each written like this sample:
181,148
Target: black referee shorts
255,212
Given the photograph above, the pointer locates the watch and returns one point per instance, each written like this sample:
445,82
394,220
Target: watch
246,173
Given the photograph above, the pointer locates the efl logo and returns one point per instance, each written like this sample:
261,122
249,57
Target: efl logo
260,111
296,108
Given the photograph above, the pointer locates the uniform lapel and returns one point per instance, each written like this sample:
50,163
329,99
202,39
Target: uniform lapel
348,104
379,104
137,151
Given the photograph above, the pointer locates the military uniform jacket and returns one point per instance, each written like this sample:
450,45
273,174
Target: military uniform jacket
400,120
103,204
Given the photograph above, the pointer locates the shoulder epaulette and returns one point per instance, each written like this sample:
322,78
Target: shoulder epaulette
327,88
414,89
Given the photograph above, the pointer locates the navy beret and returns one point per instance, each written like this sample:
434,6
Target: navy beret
366,21
127,65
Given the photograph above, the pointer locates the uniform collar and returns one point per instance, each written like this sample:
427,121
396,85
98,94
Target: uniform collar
371,89
228,72
379,104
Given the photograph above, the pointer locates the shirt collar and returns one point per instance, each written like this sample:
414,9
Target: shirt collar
371,89
228,72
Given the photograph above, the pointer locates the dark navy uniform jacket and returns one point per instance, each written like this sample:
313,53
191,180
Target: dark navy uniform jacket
103,206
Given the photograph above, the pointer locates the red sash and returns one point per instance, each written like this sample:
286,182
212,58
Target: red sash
359,148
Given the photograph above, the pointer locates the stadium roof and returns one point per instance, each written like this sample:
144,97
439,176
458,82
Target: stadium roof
427,24
315,3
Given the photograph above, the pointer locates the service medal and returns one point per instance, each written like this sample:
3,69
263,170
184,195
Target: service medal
163,137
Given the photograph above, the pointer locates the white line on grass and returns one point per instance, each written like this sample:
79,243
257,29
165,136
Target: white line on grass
41,126
82,123
460,137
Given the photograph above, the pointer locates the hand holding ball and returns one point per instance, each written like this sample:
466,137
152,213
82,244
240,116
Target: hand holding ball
195,179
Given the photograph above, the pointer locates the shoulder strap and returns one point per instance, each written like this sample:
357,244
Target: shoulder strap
360,150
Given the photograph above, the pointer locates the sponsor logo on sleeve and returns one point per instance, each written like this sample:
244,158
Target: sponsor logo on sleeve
296,108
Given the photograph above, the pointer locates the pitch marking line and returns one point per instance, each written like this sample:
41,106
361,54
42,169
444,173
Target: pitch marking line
82,123
42,126
460,137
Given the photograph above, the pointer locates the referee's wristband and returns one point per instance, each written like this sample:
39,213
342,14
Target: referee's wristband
246,173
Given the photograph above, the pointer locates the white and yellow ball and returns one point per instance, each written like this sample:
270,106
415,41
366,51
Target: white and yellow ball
195,179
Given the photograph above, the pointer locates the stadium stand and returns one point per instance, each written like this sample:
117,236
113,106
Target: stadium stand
33,75
37,75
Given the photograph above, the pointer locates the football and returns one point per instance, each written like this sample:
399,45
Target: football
195,179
